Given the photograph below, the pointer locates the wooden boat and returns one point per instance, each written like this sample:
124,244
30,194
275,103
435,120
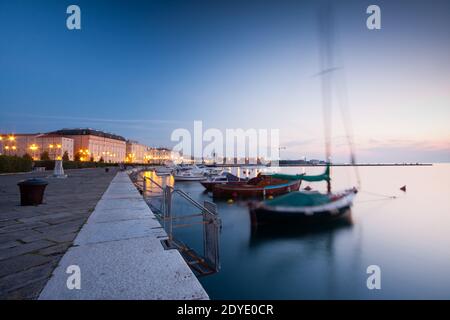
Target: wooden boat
303,208
221,179
261,186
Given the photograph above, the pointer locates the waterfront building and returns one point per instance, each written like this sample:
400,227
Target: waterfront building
159,155
136,152
84,145
36,144
90,144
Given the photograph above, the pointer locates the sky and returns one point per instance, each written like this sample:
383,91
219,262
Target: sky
142,69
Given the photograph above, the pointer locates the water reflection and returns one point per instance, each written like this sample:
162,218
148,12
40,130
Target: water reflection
267,233
407,237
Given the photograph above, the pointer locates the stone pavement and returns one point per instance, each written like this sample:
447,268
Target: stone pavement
34,238
120,256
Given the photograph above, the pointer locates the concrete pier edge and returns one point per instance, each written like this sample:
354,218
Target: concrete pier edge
120,255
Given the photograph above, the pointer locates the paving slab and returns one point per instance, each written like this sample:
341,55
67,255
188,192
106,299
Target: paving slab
38,236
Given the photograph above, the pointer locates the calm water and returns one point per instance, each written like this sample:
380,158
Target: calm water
408,237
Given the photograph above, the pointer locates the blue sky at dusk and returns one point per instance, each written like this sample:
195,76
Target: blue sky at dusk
144,68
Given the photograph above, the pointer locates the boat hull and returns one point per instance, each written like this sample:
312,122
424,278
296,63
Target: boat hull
209,185
266,215
189,178
243,190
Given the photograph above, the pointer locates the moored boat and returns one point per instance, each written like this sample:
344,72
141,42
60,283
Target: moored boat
303,208
188,176
163,171
221,179
261,186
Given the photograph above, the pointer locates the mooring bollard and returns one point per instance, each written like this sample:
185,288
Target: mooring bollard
32,191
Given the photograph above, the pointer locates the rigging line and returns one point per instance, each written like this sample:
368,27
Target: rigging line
379,194
326,62
328,57
346,119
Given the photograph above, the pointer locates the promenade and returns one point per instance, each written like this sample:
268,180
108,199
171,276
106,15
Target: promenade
33,239
98,222
120,256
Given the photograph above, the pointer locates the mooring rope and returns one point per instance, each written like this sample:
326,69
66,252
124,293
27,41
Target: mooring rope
379,194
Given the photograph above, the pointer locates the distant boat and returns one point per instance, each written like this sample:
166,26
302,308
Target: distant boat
189,176
163,171
262,186
220,179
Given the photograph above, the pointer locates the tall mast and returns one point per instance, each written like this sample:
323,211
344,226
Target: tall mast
327,67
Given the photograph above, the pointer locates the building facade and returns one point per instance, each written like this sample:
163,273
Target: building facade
84,145
96,145
36,144
136,152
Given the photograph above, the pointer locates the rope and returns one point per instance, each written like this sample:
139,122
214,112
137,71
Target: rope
379,194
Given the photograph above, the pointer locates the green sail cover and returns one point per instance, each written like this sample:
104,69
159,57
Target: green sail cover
320,177
299,199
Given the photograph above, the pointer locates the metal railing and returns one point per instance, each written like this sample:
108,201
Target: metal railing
210,220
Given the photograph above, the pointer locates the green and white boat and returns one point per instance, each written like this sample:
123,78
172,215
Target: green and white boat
304,207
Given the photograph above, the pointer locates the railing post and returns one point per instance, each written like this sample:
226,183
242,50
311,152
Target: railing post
168,211
144,187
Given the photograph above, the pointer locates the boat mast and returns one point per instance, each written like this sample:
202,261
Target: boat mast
327,67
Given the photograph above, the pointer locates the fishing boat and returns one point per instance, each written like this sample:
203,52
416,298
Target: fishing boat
261,186
220,179
305,207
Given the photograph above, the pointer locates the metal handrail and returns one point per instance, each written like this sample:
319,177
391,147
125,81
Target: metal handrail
183,194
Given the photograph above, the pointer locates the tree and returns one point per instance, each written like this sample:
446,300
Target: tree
77,156
101,160
45,156
27,156
65,156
